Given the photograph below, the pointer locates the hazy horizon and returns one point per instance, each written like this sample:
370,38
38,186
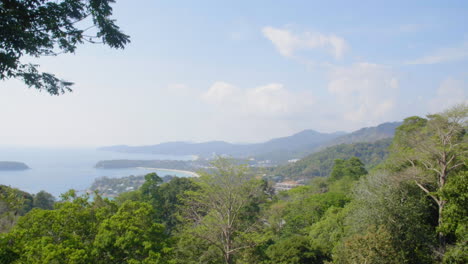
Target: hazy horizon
86,146
246,72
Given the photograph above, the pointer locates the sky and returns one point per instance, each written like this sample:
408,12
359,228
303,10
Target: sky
247,71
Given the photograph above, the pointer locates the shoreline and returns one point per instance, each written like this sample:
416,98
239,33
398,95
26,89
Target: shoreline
193,174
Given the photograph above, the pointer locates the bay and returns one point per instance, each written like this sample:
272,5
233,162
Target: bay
57,170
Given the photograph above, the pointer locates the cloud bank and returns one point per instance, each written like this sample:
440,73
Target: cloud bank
287,43
270,100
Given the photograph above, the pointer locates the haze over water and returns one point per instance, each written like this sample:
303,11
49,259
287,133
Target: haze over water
57,170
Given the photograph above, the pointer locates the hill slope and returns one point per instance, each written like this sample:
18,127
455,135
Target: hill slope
367,134
321,163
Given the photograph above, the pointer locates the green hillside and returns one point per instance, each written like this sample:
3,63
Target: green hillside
321,163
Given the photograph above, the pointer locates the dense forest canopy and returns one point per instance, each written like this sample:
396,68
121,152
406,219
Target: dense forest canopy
409,209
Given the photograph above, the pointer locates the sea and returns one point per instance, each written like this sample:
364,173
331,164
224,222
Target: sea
56,170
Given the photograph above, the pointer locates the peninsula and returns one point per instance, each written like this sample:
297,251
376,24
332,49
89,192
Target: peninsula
12,166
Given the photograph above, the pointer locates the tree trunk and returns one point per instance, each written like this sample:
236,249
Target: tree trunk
228,258
441,235
441,204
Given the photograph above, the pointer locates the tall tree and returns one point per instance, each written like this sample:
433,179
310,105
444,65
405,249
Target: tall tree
429,151
48,28
223,211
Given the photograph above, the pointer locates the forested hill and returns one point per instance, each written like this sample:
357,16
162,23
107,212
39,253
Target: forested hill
367,134
321,163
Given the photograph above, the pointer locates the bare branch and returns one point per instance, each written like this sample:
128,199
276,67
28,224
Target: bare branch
427,192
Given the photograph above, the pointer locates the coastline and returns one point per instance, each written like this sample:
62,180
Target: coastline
193,174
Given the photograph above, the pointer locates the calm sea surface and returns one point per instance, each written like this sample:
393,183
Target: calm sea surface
58,170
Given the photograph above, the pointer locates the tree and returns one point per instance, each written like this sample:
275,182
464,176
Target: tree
63,235
328,232
48,28
13,204
149,189
382,201
293,250
374,246
130,236
429,151
352,168
456,218
168,201
221,212
44,200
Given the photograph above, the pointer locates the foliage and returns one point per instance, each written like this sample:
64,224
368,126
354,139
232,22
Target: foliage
429,152
149,189
130,236
221,212
308,221
82,231
327,233
380,200
320,164
228,215
13,204
455,215
44,200
293,250
53,236
352,168
374,246
301,213
168,200
47,28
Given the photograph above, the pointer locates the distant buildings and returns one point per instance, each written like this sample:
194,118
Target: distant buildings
286,185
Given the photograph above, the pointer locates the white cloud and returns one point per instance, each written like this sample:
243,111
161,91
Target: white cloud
221,93
365,92
449,93
444,55
287,43
271,100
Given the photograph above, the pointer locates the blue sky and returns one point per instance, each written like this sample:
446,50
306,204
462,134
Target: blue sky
246,71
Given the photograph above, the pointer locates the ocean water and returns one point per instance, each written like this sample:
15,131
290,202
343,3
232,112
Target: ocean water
57,170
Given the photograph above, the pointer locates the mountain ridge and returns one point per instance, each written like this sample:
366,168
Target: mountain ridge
279,149
306,138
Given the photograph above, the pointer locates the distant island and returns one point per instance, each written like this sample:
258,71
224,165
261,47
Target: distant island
12,166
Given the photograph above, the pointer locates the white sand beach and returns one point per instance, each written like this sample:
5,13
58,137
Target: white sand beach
193,174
